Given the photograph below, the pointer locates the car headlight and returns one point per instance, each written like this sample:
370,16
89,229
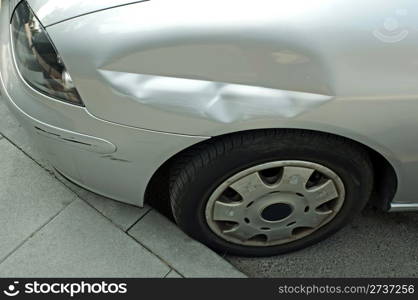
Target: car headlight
37,59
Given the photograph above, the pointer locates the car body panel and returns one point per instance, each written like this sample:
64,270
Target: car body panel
204,43
53,11
149,76
104,157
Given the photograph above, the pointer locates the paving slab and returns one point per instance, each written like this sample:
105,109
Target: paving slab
173,275
187,256
29,197
121,214
80,242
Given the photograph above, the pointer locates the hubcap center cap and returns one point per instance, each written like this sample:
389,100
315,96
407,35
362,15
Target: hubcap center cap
276,212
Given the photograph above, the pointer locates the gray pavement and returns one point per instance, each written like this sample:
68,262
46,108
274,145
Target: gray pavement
79,242
157,234
50,227
29,198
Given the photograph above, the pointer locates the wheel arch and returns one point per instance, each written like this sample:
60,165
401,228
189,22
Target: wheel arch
384,188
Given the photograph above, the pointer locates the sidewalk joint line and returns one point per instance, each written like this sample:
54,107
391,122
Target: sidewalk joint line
37,230
165,276
24,152
157,255
81,197
140,218
132,238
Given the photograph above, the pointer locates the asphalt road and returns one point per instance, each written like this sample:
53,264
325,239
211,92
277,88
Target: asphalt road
375,244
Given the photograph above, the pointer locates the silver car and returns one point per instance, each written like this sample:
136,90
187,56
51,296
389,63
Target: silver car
265,125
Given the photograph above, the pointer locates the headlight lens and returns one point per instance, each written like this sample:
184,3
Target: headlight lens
37,59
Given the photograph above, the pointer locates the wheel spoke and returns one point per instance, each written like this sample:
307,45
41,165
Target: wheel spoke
313,218
322,194
243,232
279,234
250,187
294,179
231,212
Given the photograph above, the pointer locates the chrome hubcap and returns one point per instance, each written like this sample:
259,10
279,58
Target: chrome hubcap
275,203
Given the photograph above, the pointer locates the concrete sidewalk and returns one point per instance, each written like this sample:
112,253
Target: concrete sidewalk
52,228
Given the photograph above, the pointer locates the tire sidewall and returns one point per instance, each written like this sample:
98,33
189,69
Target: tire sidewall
355,177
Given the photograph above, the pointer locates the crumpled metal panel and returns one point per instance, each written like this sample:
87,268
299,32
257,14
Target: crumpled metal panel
220,102
196,67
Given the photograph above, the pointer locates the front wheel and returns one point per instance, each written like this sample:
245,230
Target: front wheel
269,192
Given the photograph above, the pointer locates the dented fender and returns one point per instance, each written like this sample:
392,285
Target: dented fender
198,71
207,68
212,101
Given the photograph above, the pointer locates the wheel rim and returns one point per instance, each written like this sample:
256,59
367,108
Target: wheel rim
275,203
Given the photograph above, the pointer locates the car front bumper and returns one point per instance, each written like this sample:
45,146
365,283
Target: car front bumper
113,160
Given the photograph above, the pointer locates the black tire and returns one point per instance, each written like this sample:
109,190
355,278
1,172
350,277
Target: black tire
202,168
